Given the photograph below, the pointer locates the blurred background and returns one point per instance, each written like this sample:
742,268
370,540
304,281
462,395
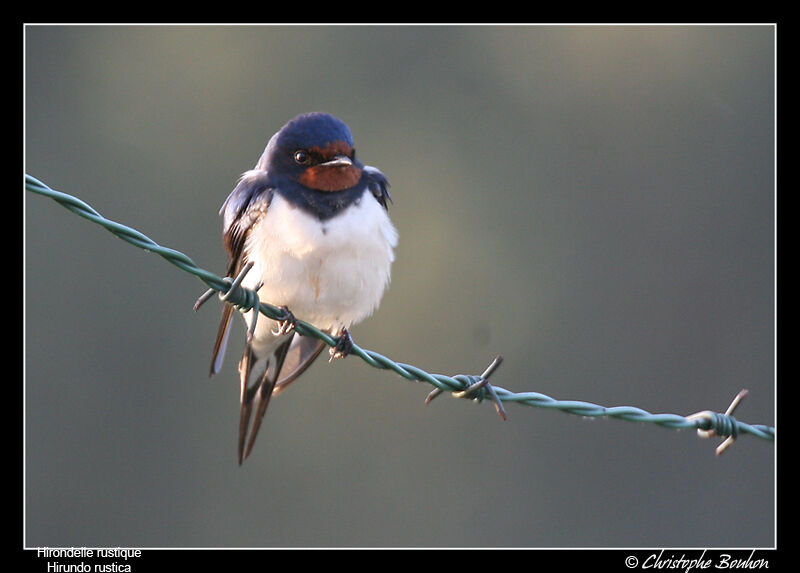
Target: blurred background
596,204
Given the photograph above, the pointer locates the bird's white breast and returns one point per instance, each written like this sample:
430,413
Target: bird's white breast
329,273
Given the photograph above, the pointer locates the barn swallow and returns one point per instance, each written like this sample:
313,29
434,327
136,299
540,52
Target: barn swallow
311,222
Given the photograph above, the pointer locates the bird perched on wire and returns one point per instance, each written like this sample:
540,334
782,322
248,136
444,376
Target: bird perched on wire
310,222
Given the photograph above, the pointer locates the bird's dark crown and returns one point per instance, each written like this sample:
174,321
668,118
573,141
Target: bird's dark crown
314,129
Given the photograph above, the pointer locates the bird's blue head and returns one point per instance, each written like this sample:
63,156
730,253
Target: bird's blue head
315,150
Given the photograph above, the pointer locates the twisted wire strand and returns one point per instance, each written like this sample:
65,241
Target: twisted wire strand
707,423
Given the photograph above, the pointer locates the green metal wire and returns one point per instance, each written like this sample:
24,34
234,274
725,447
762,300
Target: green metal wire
707,423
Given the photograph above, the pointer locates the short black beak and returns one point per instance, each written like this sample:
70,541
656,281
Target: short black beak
338,161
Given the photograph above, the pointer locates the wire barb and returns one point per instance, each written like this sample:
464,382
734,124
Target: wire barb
242,299
473,391
707,423
723,425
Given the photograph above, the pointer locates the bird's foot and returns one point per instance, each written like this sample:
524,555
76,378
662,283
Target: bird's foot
287,323
344,346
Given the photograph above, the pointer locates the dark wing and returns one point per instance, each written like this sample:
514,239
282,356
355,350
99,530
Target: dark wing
243,207
258,394
284,365
301,353
378,185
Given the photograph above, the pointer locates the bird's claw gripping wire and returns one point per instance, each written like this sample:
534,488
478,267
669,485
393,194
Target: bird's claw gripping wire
343,346
286,324
479,385
723,425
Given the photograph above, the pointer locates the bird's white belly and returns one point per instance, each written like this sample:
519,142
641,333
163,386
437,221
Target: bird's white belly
329,273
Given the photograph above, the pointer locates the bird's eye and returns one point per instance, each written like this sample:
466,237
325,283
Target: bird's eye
301,156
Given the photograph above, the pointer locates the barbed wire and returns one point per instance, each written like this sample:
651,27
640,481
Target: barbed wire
707,423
